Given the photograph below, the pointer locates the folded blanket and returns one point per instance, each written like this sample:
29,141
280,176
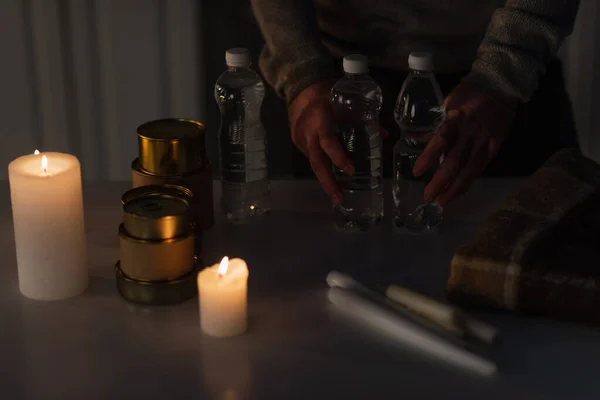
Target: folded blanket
539,253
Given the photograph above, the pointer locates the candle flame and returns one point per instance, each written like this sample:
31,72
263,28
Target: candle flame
222,270
36,152
45,163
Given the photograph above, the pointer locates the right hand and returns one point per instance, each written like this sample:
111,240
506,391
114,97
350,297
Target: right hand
312,127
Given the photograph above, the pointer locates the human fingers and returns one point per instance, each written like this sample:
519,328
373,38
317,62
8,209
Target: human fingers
481,154
439,144
321,166
453,162
332,147
300,142
312,121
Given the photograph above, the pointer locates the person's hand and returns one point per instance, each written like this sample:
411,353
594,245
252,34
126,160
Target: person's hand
312,127
469,138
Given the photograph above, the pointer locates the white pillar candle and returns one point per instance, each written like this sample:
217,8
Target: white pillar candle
222,290
47,206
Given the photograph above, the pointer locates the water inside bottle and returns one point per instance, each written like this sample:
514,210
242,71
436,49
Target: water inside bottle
356,101
411,213
242,144
419,113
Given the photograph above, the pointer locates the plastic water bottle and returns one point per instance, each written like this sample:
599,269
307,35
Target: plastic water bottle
239,93
355,101
419,112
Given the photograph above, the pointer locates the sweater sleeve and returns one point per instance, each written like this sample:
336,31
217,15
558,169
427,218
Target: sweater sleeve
293,57
522,37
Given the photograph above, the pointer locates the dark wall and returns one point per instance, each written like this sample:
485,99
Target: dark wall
226,24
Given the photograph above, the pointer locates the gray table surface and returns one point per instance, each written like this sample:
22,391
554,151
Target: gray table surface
97,346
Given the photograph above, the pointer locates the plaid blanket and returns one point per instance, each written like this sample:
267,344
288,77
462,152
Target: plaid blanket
539,253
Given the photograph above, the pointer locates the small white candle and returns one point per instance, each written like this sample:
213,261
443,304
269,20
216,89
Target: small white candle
47,206
222,291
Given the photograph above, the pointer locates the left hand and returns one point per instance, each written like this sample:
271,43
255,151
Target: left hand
469,138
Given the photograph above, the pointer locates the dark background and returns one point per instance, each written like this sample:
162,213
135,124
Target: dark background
227,24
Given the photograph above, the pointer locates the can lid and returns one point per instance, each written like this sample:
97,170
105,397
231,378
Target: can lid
156,206
171,129
199,182
157,212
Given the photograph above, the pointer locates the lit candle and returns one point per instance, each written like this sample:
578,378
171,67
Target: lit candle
47,206
222,292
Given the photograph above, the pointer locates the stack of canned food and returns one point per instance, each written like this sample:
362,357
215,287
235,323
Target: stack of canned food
157,263
165,214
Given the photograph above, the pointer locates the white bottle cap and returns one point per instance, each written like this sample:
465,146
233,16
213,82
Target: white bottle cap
421,61
355,64
237,57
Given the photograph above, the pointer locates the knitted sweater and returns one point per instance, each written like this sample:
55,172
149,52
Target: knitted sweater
504,45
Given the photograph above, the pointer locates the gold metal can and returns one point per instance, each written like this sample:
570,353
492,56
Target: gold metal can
157,293
157,212
156,260
171,146
199,182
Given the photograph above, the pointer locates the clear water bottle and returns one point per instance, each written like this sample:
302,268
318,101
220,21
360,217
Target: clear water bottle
355,101
239,93
419,112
